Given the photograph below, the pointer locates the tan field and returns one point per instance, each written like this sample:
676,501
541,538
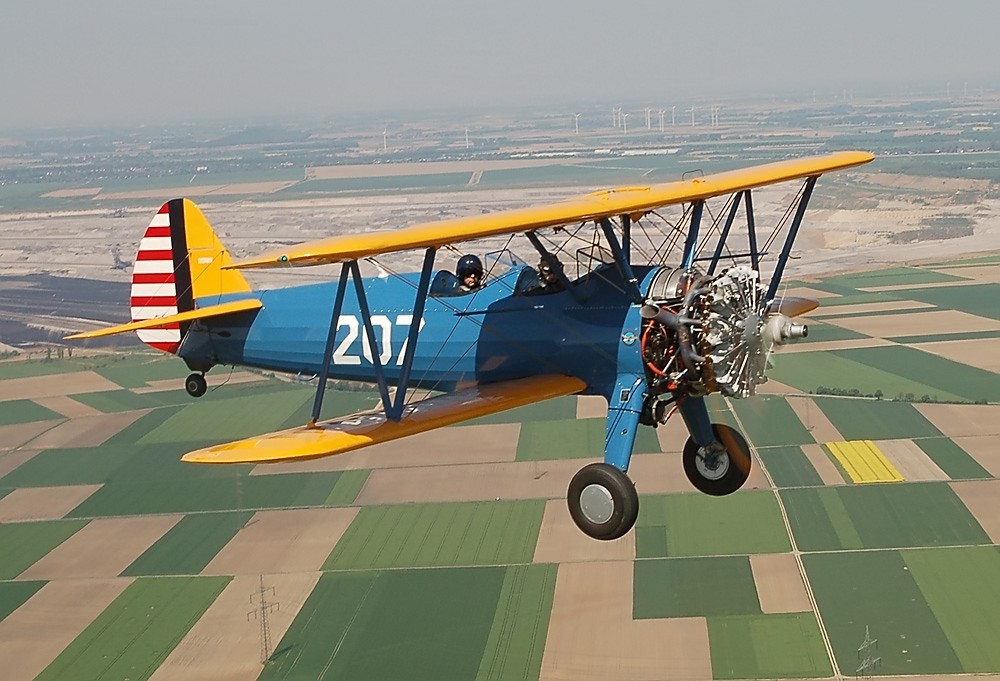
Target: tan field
87,431
597,598
982,498
272,542
103,548
55,385
815,421
917,324
911,461
980,352
560,541
43,503
224,645
957,420
19,434
67,406
11,459
779,583
34,634
824,466
982,448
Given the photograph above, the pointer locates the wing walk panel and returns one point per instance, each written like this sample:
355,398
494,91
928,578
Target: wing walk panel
633,201
361,430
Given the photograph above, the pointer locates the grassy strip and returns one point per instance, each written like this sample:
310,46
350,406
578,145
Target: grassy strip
517,639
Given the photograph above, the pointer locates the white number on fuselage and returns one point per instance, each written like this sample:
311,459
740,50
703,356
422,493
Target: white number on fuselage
382,326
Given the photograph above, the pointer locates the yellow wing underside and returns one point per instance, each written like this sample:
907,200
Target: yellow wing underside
343,434
603,204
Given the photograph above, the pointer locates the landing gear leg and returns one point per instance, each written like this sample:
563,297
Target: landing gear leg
196,385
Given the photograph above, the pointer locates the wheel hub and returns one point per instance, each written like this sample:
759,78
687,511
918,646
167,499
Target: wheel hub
712,462
597,504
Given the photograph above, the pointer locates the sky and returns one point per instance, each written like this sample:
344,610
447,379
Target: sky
138,62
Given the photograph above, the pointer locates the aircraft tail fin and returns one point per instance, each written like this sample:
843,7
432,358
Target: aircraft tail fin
180,262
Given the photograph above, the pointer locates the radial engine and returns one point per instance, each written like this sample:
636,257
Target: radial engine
703,334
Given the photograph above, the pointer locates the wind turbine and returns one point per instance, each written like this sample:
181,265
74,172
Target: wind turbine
661,112
673,121
576,123
649,110
625,122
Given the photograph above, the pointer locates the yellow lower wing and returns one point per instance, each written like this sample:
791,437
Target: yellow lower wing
360,430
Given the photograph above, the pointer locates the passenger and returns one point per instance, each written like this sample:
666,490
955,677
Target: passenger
470,273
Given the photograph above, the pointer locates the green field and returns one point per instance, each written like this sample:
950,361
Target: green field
25,411
394,624
952,459
517,638
472,533
875,590
189,545
809,371
768,421
875,419
235,493
694,587
782,646
573,439
14,594
892,276
957,583
978,299
25,543
789,467
880,516
134,634
699,525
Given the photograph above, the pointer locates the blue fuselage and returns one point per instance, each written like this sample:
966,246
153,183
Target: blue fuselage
491,334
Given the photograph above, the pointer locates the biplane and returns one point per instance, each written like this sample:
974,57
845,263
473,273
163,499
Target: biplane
652,297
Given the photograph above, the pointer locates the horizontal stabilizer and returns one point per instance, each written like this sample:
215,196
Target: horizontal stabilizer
189,316
360,430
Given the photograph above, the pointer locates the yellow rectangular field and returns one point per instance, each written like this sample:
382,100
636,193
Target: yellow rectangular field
864,462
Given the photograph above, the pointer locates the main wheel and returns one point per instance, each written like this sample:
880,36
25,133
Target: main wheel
196,385
720,468
602,501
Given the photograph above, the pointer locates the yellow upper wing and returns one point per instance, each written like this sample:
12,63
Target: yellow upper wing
360,430
603,204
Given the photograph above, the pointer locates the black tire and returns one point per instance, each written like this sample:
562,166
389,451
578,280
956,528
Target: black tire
613,504
196,385
731,469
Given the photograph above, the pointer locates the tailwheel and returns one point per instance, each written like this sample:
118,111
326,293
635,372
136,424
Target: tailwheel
603,501
196,385
720,468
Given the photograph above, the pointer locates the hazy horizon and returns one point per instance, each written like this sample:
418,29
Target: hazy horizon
116,62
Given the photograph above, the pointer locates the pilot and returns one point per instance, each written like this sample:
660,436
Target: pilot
469,272
548,277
